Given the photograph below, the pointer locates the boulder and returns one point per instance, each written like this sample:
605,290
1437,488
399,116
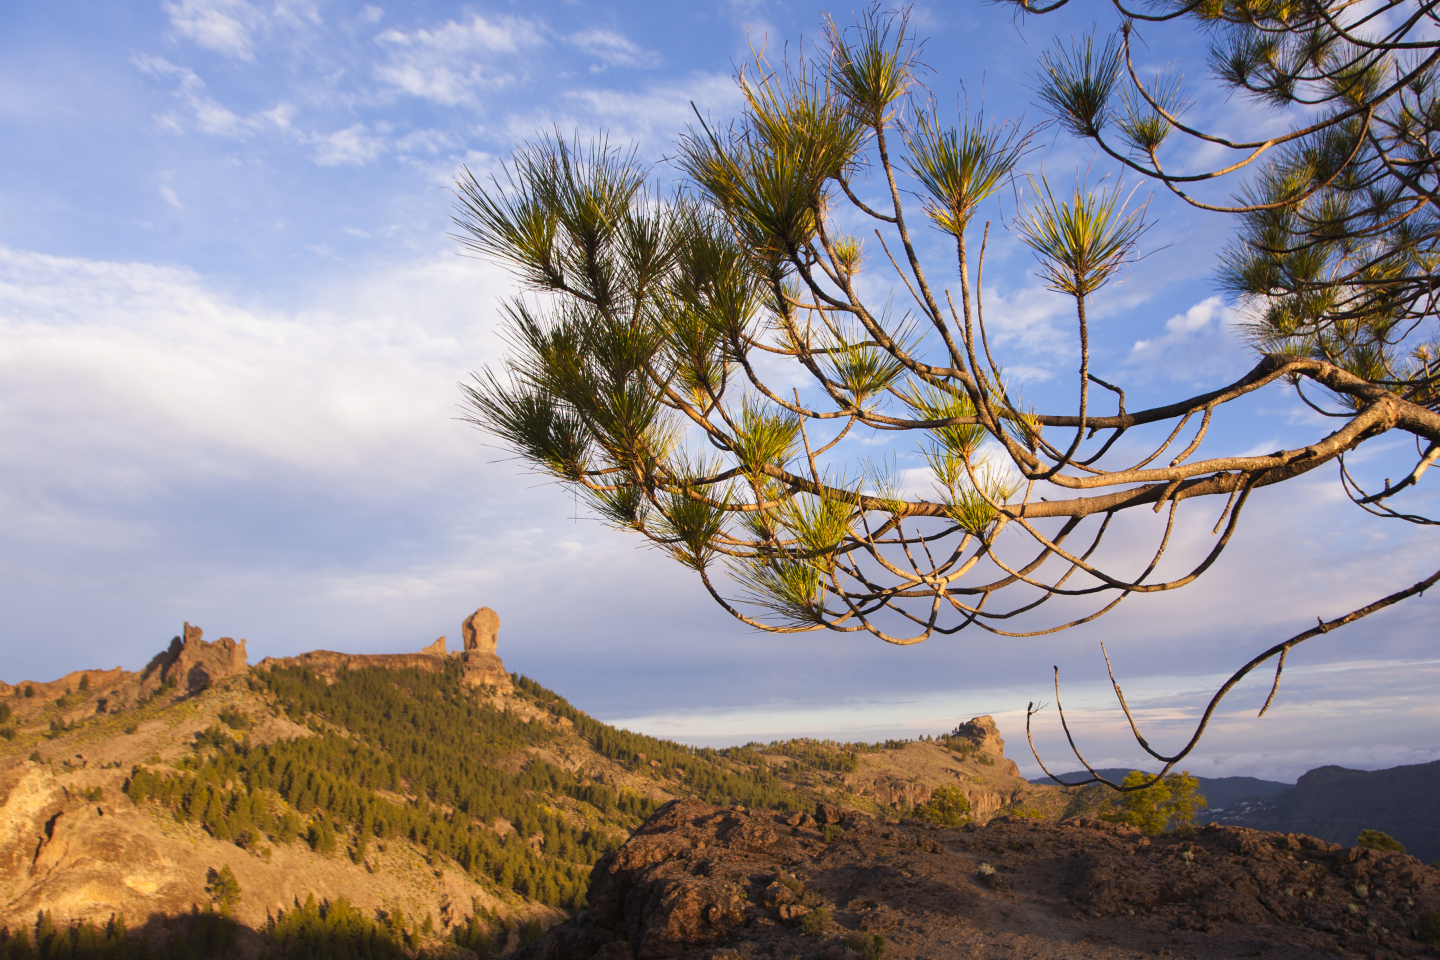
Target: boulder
482,667
481,631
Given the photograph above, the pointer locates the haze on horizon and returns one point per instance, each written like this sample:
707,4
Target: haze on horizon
233,325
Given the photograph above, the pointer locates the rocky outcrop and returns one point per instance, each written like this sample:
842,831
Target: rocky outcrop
480,666
48,690
481,631
680,883
972,760
328,663
483,668
701,883
985,735
191,664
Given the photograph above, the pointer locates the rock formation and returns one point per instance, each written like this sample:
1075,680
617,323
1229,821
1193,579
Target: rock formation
982,732
701,883
972,759
327,663
191,664
481,630
482,666
436,649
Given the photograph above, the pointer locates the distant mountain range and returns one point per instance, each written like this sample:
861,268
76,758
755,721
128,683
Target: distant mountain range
1219,792
433,789
1331,803
447,803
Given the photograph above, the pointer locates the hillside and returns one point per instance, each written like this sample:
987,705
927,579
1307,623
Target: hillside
706,883
1219,792
443,799
432,804
1335,804
1331,803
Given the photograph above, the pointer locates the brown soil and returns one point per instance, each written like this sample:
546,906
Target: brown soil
697,881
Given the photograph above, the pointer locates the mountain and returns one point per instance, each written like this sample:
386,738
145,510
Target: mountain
434,796
1335,804
433,804
1219,792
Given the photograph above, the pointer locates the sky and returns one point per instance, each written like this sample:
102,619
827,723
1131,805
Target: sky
234,321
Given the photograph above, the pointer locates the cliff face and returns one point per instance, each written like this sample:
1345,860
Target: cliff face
482,666
188,665
972,759
328,663
1335,804
191,664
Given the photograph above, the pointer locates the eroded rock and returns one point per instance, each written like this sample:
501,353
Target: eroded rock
699,883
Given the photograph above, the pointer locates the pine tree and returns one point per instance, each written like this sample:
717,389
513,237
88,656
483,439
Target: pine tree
1147,808
224,889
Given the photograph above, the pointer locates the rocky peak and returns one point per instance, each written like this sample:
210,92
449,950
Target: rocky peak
483,667
985,735
192,663
982,732
481,631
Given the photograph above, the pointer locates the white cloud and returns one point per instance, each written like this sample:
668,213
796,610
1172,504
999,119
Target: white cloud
1209,317
1031,318
221,25
425,141
444,65
612,49
354,146
229,26
148,366
207,114
169,197
653,116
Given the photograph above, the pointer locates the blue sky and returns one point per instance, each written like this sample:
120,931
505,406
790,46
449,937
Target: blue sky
234,322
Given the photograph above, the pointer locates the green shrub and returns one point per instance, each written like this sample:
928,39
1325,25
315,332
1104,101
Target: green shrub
236,720
815,921
223,888
1170,803
333,930
1375,840
947,807
831,832
866,946
1428,928
8,733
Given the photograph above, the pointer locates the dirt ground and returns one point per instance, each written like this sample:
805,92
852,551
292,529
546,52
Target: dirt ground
701,882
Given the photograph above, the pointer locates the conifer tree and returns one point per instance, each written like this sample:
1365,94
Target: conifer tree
642,366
